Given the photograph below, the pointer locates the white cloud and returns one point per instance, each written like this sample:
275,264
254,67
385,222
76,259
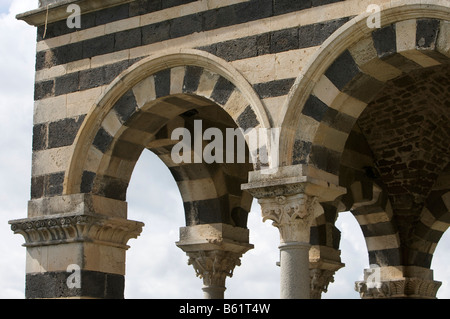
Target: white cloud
156,268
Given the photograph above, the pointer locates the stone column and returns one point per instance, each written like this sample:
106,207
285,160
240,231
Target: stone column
293,215
214,250
290,197
78,252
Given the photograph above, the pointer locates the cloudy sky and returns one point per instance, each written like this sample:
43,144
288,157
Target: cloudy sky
156,268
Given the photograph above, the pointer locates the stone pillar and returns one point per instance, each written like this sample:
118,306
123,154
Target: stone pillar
78,252
291,199
397,282
214,250
293,216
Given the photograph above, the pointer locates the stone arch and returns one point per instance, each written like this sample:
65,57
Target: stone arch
348,70
139,111
434,221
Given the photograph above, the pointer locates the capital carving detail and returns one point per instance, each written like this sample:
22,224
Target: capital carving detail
59,229
320,279
214,266
399,288
293,215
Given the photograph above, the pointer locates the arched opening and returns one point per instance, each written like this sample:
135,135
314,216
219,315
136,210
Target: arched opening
156,268
371,113
194,113
210,192
353,255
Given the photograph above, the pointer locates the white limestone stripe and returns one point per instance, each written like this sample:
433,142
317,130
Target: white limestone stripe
330,138
373,218
177,79
276,66
442,44
272,106
68,105
382,242
144,91
206,83
198,189
51,161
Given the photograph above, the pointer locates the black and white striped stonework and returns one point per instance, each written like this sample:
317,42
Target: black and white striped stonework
211,193
361,82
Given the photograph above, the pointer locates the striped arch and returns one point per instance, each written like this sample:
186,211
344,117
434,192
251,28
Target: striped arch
140,110
373,211
349,69
434,221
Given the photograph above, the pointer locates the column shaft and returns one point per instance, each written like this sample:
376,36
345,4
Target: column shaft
294,270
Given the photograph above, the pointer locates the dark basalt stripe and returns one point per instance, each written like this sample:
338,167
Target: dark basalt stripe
192,78
126,106
325,159
274,88
102,140
94,284
343,70
110,187
47,185
247,119
385,257
222,91
385,41
315,108
207,211
63,132
427,33
162,83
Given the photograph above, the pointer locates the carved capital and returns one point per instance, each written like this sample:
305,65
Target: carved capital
398,288
293,215
214,266
320,279
65,228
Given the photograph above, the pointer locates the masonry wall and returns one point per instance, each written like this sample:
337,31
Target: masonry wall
268,41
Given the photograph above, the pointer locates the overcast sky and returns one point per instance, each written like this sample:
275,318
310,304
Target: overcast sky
156,268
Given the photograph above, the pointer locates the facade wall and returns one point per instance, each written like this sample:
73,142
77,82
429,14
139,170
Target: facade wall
315,69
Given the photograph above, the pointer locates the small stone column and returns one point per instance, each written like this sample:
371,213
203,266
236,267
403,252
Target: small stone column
293,215
214,250
290,196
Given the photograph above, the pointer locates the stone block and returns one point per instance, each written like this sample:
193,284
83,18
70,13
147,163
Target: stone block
127,39
67,84
102,140
63,132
